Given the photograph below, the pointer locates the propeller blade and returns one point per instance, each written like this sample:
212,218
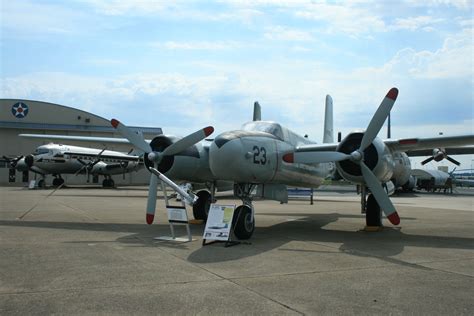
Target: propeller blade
424,162
454,161
134,138
379,118
186,142
98,159
380,195
315,157
80,170
151,203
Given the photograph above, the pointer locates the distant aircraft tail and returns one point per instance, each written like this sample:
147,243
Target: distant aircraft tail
328,122
257,112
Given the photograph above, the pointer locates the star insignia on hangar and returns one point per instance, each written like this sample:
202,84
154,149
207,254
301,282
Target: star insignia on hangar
20,110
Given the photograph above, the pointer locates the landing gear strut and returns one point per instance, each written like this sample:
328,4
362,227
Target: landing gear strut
369,206
244,218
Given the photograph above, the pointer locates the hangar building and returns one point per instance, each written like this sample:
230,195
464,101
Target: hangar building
36,117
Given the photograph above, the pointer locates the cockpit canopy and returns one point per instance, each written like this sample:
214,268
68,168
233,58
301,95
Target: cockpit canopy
267,127
40,151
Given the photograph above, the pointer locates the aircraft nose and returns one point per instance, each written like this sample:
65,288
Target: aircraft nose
225,155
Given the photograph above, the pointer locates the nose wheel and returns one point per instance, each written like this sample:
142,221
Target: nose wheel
243,222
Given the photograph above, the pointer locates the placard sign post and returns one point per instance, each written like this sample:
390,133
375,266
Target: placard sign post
177,215
219,225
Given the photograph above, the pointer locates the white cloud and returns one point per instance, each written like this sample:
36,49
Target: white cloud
178,10
286,34
197,45
345,18
453,60
458,4
30,18
121,7
414,23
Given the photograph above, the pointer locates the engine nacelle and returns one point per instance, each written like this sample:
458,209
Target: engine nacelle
21,165
99,168
377,157
190,165
410,184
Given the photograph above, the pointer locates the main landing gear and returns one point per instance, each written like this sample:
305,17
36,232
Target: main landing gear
243,220
369,206
108,183
58,180
203,204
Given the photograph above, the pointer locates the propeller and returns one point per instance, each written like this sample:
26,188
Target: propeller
12,161
357,156
438,155
88,166
155,156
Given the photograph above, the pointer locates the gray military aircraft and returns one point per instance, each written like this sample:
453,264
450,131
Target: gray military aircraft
57,159
250,157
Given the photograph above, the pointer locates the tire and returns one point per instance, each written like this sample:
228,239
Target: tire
58,182
106,183
373,215
41,183
202,205
243,223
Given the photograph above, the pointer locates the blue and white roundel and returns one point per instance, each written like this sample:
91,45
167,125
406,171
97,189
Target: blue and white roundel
20,110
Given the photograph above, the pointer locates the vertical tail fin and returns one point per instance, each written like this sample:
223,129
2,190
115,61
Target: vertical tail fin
328,122
257,112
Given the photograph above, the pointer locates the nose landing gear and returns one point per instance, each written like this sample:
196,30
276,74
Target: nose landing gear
244,217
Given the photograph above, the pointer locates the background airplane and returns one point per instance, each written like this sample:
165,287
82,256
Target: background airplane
57,159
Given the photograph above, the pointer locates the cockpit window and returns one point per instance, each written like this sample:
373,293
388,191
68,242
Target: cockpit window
40,151
271,128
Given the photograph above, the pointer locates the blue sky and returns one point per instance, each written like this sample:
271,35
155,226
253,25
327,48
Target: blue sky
188,64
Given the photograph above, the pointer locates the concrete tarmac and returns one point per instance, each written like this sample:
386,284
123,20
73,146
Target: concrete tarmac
88,250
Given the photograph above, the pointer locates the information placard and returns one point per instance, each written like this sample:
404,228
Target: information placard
219,222
177,215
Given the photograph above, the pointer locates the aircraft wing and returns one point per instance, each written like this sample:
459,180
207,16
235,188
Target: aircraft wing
448,150
411,144
104,156
107,140
317,147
